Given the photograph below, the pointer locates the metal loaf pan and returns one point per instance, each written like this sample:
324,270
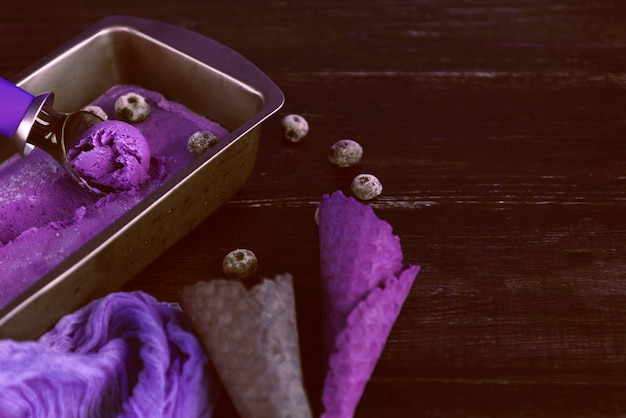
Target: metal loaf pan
186,67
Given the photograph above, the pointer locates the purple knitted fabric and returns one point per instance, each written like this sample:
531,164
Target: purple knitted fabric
125,355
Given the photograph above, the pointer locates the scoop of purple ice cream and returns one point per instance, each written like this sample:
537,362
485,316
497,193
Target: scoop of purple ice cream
112,155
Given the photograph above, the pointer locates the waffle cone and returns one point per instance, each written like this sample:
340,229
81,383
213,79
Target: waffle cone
252,340
364,286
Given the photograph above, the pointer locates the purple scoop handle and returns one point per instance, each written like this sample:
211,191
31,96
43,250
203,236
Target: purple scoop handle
14,102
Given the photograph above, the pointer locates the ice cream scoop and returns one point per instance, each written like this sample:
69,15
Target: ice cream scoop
30,121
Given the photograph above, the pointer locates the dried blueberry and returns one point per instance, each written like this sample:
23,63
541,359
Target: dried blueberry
239,264
201,141
366,186
132,107
295,126
97,111
345,153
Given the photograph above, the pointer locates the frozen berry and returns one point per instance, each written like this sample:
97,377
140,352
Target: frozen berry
295,126
132,107
201,141
239,264
366,186
97,111
345,153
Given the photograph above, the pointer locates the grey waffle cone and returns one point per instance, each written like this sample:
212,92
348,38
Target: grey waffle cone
252,340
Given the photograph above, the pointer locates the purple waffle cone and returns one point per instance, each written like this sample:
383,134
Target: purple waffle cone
364,286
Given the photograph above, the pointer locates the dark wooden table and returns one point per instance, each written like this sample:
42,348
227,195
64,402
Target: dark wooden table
498,129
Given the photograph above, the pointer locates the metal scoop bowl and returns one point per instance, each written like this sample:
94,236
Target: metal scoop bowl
31,122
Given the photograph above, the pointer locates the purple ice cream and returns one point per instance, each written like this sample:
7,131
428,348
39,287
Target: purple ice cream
45,217
112,155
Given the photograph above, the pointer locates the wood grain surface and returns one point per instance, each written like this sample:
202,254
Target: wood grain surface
497,129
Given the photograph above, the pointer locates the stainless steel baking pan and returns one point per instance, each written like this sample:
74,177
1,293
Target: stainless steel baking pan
186,67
